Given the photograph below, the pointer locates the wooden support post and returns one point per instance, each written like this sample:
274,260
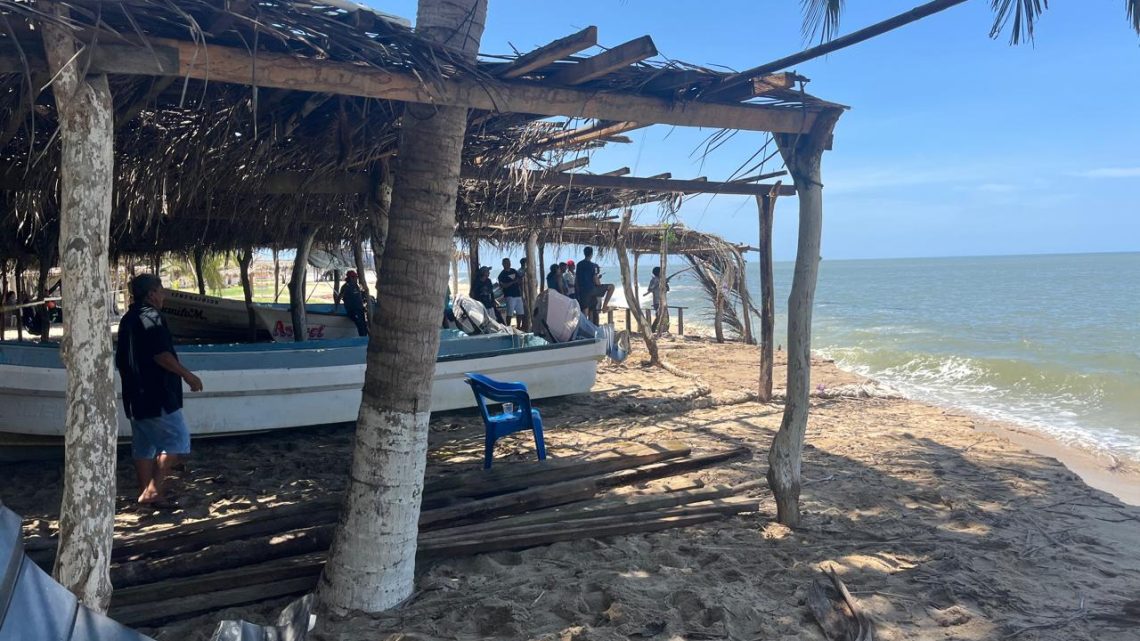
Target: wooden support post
199,268
361,274
454,273
745,301
86,168
297,285
19,285
276,276
636,280
530,292
630,293
802,155
680,321
541,268
43,314
473,260
245,258
628,320
767,207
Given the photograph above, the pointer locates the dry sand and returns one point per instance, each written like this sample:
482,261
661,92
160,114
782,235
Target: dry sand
942,526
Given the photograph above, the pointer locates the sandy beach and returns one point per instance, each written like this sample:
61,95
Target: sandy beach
942,526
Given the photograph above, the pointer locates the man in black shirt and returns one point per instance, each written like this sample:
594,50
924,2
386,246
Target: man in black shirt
353,300
152,378
483,290
511,282
588,280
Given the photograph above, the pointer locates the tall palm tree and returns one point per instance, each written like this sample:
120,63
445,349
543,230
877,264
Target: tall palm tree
821,17
372,562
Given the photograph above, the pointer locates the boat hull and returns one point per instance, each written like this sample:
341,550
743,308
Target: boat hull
249,388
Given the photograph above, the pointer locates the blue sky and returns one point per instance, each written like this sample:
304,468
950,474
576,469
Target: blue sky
956,144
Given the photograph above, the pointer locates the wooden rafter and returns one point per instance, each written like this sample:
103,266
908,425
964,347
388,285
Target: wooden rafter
576,163
617,172
599,131
700,185
547,54
606,62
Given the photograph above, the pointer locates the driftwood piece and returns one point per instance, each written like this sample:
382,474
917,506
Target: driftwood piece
621,505
222,556
837,612
508,479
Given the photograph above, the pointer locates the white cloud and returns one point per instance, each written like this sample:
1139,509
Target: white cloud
1111,172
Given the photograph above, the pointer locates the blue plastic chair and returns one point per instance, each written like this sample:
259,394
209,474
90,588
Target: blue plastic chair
524,417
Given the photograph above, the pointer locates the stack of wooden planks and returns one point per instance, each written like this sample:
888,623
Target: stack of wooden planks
279,551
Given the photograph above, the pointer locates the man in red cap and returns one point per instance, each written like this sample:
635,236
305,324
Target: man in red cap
353,300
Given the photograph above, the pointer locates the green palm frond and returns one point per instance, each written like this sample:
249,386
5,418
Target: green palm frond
821,18
1023,13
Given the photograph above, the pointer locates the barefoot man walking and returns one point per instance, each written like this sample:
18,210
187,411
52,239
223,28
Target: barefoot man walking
152,389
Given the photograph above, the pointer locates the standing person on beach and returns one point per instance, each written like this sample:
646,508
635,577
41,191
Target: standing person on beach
353,300
554,279
655,290
483,290
568,279
588,278
510,281
152,390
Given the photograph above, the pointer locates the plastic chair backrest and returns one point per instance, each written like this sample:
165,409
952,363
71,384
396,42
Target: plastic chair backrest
499,391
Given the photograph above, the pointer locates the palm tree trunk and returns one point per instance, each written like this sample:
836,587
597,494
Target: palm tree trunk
802,155
371,564
86,114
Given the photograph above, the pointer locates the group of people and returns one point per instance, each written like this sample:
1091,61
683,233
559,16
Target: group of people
581,281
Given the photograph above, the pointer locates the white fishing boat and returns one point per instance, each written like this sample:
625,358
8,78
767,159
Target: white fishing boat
213,319
267,386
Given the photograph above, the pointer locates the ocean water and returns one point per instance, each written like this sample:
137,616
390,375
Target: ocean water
1047,342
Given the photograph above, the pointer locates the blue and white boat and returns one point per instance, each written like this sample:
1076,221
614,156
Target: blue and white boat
266,386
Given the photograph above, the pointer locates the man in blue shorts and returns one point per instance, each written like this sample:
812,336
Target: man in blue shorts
152,389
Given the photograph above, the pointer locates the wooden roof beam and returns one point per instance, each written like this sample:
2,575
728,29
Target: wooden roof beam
759,177
577,163
549,53
617,172
586,134
699,186
606,62
216,63
666,174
